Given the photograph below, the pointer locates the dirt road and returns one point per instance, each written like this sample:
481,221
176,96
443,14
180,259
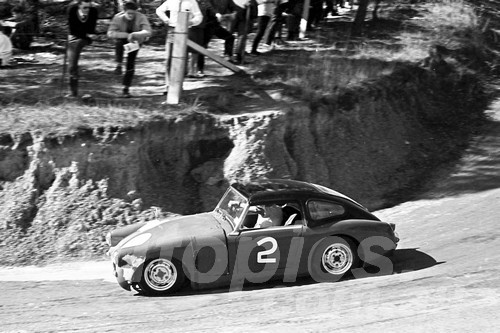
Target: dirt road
446,277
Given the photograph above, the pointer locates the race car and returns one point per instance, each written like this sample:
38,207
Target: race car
259,231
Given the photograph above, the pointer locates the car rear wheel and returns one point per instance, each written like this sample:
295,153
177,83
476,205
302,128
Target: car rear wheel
161,276
333,258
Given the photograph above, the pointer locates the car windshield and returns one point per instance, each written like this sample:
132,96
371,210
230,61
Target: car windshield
232,206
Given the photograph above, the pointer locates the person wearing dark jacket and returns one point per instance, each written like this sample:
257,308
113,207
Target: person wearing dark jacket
223,10
24,29
82,20
213,27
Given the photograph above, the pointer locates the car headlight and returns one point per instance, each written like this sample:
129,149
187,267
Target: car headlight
137,240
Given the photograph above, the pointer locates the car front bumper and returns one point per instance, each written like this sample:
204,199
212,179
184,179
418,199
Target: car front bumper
120,277
128,273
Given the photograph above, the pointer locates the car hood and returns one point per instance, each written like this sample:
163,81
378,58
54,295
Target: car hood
180,230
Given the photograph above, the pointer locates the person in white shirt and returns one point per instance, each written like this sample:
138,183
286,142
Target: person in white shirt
269,216
5,48
174,7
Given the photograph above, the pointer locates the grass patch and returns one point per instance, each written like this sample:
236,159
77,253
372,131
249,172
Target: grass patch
452,24
69,117
328,73
31,92
64,118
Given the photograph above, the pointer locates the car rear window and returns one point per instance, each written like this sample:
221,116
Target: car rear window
320,210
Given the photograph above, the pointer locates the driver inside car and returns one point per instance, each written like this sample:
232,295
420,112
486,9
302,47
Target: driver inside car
269,216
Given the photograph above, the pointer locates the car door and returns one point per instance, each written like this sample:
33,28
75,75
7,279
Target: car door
260,254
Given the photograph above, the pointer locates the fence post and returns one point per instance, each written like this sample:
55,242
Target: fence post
179,55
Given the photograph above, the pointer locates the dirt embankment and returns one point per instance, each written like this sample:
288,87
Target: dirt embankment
61,194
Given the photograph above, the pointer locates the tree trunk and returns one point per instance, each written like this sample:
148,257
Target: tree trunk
359,21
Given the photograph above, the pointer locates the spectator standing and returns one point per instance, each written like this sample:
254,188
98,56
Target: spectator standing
275,24
295,9
5,48
197,35
227,11
213,27
82,19
265,9
315,14
241,26
128,26
24,29
173,7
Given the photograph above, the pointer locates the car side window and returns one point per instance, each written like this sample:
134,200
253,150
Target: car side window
324,209
272,215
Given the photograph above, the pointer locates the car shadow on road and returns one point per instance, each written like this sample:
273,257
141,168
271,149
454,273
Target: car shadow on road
277,283
403,261
409,260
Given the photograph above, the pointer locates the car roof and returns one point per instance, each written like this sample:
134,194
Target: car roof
267,188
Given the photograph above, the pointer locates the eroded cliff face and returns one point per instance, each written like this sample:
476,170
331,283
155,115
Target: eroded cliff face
369,142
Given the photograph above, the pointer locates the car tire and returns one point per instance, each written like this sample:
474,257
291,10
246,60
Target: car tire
332,258
160,276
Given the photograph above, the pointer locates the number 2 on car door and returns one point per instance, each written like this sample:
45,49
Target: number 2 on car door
261,259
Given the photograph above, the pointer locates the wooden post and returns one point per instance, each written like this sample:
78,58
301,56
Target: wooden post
304,19
214,57
179,55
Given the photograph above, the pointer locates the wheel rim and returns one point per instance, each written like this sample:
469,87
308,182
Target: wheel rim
160,274
337,259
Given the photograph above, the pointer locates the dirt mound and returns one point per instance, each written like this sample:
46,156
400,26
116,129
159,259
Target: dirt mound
69,219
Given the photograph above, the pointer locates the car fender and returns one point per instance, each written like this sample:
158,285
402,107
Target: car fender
358,230
370,236
204,258
115,236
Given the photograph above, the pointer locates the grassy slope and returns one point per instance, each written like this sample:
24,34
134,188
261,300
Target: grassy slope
32,90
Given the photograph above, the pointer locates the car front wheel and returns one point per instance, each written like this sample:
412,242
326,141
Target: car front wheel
161,276
333,258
